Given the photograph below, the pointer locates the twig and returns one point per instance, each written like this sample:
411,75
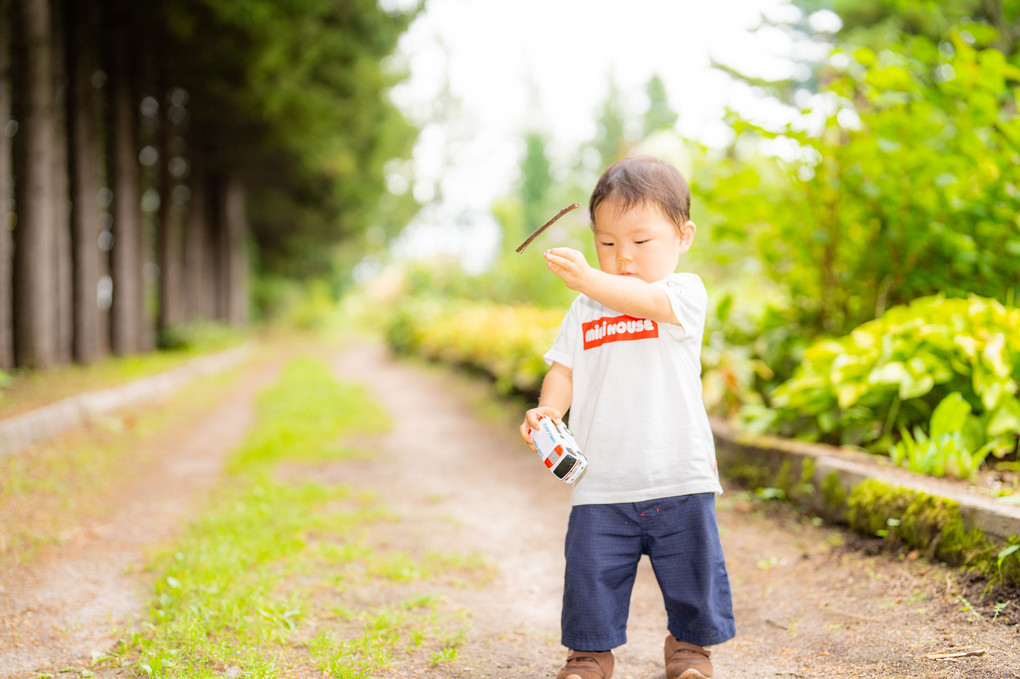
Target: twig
574,206
955,654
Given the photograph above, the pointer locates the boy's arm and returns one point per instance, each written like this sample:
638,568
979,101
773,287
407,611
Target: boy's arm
625,294
557,394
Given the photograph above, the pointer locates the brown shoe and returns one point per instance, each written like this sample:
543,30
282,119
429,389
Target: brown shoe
687,661
587,665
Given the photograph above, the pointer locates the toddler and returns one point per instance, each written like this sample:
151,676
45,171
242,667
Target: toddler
627,364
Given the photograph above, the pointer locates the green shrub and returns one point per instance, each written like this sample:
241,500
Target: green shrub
748,349
504,341
884,381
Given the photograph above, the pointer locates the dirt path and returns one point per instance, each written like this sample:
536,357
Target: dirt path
65,604
806,605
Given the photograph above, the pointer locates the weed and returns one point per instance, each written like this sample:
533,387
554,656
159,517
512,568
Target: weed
448,652
445,654
969,608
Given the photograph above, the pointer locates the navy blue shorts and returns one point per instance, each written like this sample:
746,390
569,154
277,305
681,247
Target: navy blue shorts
681,538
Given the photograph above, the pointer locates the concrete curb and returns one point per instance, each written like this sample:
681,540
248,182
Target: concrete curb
762,460
20,431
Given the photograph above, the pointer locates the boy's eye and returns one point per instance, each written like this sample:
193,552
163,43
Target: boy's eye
605,243
641,242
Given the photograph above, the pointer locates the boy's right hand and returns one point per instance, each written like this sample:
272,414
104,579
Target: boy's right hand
570,265
531,422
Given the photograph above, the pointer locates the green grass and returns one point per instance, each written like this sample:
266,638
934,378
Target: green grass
283,576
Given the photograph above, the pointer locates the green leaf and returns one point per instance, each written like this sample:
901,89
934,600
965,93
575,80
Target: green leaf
950,415
915,387
865,57
1012,549
890,373
994,355
847,393
1005,419
991,391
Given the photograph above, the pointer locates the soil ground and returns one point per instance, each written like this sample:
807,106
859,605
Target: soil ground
810,600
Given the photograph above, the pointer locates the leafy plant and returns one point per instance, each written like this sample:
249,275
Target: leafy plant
953,446
889,376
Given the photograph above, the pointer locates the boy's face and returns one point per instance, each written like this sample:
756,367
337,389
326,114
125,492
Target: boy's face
639,242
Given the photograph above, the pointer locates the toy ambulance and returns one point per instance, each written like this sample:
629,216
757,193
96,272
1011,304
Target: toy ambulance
558,450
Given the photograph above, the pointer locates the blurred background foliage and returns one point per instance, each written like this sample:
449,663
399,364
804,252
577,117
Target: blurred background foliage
294,94
863,261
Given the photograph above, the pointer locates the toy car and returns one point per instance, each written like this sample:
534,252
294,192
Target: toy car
559,451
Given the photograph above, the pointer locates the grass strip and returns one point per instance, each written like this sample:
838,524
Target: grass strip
281,576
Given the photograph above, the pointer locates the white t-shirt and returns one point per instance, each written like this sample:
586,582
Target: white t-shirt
637,411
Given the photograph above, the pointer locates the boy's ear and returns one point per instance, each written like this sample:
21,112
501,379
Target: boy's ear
687,234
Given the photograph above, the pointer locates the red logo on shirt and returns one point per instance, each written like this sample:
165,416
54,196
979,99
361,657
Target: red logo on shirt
617,329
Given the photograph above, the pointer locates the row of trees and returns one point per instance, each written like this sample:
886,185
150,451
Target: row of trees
150,152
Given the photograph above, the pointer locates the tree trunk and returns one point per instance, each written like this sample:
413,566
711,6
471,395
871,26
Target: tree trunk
196,284
168,227
127,313
61,188
35,281
212,299
86,181
6,192
234,254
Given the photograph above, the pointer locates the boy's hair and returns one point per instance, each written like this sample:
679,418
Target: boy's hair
638,180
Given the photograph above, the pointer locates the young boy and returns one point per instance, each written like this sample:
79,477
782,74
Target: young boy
627,365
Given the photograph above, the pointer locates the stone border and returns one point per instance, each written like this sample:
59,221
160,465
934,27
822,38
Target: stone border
825,478
20,431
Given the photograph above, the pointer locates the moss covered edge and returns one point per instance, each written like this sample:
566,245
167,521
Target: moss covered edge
937,527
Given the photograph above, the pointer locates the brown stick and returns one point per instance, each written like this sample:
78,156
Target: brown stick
574,206
957,654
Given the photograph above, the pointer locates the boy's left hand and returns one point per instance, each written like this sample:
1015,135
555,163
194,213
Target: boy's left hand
569,264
